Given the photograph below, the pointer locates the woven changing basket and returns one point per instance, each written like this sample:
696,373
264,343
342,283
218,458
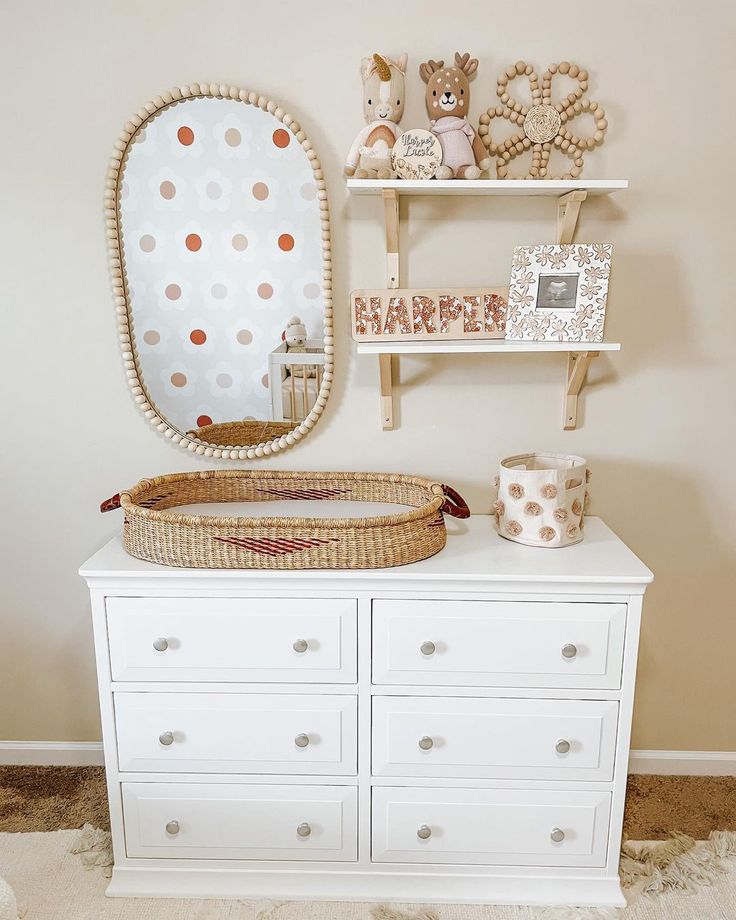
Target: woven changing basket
151,532
241,434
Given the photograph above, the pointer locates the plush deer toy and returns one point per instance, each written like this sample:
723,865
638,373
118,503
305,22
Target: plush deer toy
383,106
448,101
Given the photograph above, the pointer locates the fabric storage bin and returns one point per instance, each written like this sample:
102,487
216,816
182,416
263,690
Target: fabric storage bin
541,499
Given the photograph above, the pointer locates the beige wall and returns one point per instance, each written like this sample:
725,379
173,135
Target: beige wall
658,422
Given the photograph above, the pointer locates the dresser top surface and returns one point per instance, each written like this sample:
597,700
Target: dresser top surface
474,553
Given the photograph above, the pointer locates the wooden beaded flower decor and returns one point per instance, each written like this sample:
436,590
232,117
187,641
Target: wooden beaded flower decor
544,124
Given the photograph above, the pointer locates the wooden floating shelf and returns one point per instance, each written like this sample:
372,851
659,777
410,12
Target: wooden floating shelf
482,346
527,188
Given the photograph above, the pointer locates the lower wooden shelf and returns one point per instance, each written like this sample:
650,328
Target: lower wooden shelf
490,346
579,357
570,196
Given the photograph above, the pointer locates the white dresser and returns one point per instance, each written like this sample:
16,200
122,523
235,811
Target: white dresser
453,730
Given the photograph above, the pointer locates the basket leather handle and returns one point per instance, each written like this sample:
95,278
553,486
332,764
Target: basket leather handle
454,503
110,504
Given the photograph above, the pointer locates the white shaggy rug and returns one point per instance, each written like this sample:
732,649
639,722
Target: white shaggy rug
62,876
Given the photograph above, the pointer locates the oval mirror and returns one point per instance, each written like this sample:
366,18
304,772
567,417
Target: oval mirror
221,267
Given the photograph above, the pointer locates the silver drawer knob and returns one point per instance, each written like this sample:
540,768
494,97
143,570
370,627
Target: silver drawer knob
161,644
562,746
301,645
301,740
424,832
426,743
569,650
428,648
304,829
557,835
166,738
172,828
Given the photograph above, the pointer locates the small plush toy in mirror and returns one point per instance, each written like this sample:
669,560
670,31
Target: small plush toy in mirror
383,107
295,337
448,102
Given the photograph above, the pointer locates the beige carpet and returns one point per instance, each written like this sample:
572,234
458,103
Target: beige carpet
666,880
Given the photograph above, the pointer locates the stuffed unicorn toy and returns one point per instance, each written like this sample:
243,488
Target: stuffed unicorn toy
448,100
383,107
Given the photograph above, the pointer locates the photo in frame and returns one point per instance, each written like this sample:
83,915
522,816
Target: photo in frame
559,293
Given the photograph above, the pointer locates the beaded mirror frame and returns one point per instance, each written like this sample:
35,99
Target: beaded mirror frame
121,292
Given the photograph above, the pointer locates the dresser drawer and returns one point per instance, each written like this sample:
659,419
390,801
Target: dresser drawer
490,827
208,821
498,644
236,733
494,739
226,639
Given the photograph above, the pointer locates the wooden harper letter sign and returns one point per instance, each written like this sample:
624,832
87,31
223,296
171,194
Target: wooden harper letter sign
418,315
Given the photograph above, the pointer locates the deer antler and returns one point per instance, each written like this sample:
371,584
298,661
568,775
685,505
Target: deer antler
467,64
426,70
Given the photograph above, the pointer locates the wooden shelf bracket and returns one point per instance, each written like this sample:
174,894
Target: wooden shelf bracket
386,363
578,363
386,372
391,214
568,211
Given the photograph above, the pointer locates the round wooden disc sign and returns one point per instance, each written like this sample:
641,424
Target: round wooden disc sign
417,154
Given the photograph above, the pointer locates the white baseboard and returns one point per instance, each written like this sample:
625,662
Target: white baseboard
683,763
52,753
89,754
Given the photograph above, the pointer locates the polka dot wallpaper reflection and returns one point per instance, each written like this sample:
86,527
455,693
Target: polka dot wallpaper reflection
221,230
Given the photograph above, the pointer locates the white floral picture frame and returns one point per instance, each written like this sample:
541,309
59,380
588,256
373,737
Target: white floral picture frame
559,293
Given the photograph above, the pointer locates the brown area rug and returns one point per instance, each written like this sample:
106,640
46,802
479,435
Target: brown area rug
52,798
693,805
65,798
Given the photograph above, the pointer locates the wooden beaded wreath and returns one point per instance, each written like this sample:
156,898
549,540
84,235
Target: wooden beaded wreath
544,124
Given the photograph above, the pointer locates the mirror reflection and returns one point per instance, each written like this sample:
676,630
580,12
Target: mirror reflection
222,242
